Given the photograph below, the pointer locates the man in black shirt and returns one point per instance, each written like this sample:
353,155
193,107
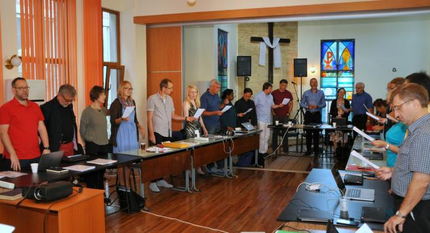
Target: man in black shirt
243,105
60,121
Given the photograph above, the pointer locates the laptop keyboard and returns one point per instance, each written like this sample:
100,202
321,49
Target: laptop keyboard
353,192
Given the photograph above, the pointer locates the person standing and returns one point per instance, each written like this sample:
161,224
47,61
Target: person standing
336,110
313,101
243,105
228,119
360,101
190,107
212,104
281,114
160,112
60,121
21,120
264,105
124,130
410,176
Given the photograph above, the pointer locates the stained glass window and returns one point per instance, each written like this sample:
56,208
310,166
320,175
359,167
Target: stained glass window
337,69
222,59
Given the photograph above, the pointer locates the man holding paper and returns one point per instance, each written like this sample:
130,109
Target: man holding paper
160,113
264,105
313,101
246,109
410,176
360,101
284,97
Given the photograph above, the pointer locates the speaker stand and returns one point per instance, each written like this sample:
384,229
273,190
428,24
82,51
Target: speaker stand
245,79
300,112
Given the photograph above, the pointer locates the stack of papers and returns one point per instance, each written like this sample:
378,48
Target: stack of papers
156,149
11,174
102,161
79,168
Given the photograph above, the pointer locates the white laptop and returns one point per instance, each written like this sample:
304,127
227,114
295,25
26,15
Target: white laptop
358,194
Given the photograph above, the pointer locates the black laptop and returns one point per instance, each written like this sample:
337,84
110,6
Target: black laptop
341,122
50,160
74,158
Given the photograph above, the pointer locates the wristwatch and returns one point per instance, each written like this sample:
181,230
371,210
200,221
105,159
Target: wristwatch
387,146
46,148
400,215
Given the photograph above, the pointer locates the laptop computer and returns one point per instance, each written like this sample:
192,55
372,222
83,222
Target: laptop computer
248,126
74,158
339,121
358,194
50,160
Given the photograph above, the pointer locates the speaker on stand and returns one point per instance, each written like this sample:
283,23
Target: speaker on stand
244,67
300,70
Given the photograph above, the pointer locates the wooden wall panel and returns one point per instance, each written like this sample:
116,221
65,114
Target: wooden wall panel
284,11
164,60
164,49
153,86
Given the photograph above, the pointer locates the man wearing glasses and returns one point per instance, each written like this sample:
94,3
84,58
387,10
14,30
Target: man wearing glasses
60,121
20,123
410,176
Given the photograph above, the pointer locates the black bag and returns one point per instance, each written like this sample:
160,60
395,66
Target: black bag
129,200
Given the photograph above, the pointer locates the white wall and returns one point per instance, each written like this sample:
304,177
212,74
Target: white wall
381,45
9,36
150,7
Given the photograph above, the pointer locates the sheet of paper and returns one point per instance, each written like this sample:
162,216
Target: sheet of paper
247,111
373,116
364,229
199,113
363,134
342,107
366,107
102,161
285,101
226,108
127,112
363,159
392,118
12,174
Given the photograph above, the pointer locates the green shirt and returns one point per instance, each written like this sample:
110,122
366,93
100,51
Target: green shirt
93,127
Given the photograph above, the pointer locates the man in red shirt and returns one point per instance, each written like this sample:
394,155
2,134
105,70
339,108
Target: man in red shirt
281,114
21,121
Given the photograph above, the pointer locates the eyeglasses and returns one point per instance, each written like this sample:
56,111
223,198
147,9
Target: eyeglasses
128,88
68,100
22,88
398,107
170,88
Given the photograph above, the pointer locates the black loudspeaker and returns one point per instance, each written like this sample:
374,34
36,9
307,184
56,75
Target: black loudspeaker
48,192
300,67
243,65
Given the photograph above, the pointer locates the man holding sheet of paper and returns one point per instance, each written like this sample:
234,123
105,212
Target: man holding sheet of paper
410,177
212,103
360,101
313,101
284,97
245,109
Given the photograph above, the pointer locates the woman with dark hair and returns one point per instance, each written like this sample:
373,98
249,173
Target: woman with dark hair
228,119
93,126
340,107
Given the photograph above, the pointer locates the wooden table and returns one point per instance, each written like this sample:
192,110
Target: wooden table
316,228
83,212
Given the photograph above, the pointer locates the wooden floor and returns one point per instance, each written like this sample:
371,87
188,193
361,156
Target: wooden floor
252,202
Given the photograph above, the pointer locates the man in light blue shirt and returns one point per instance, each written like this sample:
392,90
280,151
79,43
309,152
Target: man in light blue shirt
264,104
313,101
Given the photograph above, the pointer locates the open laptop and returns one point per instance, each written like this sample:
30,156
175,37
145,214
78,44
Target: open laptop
248,128
358,194
50,160
339,121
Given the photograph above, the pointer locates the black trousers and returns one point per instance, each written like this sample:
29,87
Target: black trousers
312,134
359,121
421,215
279,132
95,179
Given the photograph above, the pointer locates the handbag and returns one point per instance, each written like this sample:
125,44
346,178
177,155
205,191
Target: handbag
129,200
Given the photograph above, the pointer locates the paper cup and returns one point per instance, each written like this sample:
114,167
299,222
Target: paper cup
334,124
34,167
142,146
276,122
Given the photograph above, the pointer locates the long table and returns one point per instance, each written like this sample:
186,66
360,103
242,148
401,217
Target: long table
197,153
304,199
358,146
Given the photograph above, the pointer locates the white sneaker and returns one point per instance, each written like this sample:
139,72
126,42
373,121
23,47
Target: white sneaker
163,183
154,188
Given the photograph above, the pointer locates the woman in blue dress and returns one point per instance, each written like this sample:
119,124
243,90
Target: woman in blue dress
124,130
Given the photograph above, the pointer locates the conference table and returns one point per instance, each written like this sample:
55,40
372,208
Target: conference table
360,145
193,154
329,202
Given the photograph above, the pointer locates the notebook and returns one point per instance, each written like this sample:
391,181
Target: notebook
11,195
308,215
358,194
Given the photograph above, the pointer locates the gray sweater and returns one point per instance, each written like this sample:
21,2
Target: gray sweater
93,127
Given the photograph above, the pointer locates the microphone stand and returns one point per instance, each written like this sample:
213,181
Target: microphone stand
300,110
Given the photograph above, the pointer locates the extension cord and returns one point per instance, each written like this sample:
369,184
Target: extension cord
313,187
4,184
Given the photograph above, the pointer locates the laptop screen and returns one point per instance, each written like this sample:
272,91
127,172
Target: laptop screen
338,179
248,126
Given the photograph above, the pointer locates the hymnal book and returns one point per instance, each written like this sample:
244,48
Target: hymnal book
79,168
11,195
58,170
102,161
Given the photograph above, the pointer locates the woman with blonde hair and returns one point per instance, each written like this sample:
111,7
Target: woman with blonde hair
190,106
124,130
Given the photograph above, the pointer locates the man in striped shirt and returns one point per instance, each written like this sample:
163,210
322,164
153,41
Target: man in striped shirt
410,176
